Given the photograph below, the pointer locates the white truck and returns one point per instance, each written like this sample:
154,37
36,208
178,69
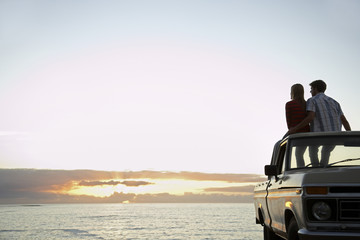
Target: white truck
313,188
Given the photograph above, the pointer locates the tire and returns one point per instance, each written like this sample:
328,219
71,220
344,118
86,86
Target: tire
270,235
292,230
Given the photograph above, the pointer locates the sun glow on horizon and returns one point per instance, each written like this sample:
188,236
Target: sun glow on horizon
154,186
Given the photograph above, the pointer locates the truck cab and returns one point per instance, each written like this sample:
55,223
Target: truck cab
313,188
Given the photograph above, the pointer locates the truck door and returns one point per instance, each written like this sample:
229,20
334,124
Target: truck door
275,198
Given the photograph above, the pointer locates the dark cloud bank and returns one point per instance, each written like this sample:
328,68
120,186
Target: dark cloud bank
31,186
112,182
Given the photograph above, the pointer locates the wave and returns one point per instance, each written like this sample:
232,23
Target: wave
79,233
12,230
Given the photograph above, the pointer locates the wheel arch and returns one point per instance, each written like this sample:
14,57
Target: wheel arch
288,216
261,217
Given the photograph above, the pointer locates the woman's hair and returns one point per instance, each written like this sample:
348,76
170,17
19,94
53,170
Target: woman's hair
297,93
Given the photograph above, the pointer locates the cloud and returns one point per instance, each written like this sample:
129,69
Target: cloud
51,186
41,179
190,198
135,183
114,183
198,176
98,183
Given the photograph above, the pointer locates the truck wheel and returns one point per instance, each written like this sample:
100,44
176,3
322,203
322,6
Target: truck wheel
292,233
270,235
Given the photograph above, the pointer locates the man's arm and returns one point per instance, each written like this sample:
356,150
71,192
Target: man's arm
310,116
345,123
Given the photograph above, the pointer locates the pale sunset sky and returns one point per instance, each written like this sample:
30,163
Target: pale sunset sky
165,86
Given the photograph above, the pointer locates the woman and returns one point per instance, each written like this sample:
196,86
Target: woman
295,113
296,108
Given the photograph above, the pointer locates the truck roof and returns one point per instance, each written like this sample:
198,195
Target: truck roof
324,134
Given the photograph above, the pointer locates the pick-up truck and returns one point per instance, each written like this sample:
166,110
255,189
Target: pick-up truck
313,188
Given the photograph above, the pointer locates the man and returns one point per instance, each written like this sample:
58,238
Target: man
324,114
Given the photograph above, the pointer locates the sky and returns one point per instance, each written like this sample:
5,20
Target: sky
165,86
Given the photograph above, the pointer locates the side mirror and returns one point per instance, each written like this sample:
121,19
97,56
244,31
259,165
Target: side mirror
271,170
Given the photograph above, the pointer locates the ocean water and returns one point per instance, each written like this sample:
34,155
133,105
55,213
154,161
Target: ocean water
129,221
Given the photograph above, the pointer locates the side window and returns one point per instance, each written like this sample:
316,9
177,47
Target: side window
281,158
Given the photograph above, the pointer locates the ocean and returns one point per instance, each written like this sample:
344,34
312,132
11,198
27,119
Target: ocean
129,221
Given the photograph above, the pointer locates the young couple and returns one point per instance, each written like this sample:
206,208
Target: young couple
319,114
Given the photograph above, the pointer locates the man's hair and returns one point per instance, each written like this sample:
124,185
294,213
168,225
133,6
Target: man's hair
320,85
